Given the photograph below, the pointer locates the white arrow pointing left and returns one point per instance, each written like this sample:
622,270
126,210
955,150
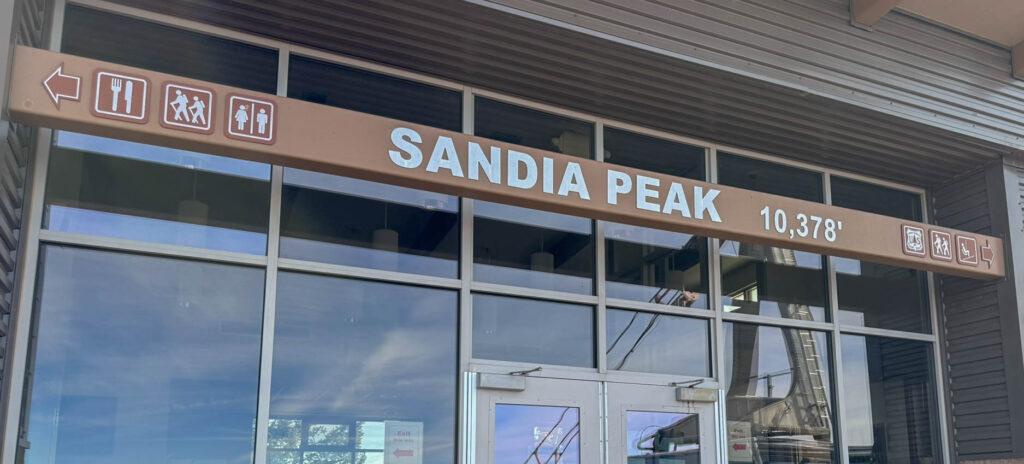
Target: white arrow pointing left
60,85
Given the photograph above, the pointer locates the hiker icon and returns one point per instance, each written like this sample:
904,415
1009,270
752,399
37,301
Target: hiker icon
187,108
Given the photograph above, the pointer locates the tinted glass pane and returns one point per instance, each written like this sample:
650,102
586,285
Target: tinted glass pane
649,342
766,177
655,266
532,128
369,92
139,192
653,154
352,222
766,280
771,281
662,438
359,364
143,359
891,407
104,36
876,295
530,248
536,434
778,395
875,199
517,329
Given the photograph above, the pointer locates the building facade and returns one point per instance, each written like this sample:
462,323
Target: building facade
164,303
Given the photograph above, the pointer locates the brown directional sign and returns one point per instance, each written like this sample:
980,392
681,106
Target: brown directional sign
71,93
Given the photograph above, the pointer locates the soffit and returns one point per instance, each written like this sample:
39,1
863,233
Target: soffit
1000,21
490,49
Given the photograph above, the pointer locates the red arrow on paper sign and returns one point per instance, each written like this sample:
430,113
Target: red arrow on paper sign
399,453
60,85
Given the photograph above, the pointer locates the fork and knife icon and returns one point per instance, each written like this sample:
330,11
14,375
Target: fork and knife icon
116,85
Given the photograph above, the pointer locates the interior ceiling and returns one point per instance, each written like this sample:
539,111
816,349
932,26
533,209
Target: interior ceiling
493,50
1000,21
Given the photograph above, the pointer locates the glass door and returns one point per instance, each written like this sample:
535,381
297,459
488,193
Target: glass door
649,424
534,420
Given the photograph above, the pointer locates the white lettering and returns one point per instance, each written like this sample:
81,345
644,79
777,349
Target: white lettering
644,192
528,179
618,183
548,175
445,157
405,139
703,203
676,201
573,181
492,166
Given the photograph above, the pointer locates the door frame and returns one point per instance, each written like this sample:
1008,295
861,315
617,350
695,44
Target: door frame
622,398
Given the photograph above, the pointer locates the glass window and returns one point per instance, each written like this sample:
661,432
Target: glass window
891,406
143,359
133,191
662,438
650,342
368,92
531,248
653,154
357,363
353,222
518,246
877,295
771,281
548,434
532,331
654,265
102,36
532,128
778,395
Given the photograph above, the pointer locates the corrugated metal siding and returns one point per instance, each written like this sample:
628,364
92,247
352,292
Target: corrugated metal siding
903,66
30,20
973,335
491,49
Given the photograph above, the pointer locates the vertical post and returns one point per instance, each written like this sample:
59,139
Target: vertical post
270,286
467,405
717,324
839,431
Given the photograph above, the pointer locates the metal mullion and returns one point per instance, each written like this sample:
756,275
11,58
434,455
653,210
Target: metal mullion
644,306
718,326
838,393
270,285
938,355
887,333
534,293
269,315
601,325
338,270
600,254
466,440
151,248
778,322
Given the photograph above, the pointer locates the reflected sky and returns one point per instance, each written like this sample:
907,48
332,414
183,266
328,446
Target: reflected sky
541,433
545,332
353,352
163,155
648,342
144,359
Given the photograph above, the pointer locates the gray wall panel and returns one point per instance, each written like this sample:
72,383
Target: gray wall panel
904,66
978,322
26,22
491,49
